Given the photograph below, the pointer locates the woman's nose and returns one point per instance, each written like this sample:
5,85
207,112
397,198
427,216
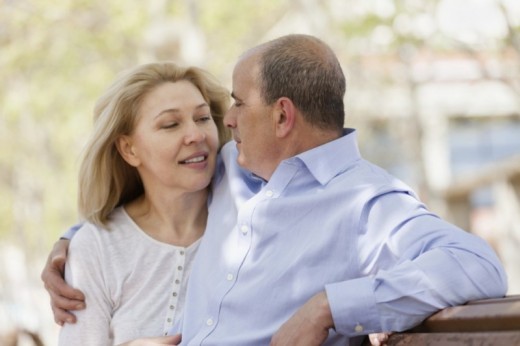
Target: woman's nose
194,134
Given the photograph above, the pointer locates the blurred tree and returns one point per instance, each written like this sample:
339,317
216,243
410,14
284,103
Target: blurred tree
55,60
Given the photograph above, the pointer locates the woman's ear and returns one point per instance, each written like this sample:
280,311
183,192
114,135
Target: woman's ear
285,116
125,148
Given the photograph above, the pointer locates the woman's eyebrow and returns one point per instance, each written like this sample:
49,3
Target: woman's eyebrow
177,110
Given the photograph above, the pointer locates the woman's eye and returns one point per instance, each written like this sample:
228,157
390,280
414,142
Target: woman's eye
169,125
204,118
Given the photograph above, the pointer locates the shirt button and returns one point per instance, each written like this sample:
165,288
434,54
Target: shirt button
244,229
169,320
229,277
174,294
179,267
358,328
177,281
209,322
269,193
181,252
172,307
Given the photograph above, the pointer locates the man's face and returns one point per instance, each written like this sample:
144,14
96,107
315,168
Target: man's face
251,122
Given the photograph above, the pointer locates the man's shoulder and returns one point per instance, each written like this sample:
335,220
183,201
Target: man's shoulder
364,175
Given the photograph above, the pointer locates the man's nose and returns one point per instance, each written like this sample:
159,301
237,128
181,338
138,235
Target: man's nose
230,118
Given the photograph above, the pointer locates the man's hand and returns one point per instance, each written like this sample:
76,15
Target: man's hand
63,297
308,326
379,339
164,340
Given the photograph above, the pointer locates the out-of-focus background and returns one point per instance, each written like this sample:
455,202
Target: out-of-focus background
433,87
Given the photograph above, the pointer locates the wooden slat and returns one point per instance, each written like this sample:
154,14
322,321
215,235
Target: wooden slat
482,322
455,339
483,315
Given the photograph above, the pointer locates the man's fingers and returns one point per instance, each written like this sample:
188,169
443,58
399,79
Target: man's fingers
56,285
53,273
64,303
58,288
61,306
58,262
176,339
63,297
62,316
162,340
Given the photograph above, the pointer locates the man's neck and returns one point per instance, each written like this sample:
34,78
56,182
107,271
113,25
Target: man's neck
309,137
300,140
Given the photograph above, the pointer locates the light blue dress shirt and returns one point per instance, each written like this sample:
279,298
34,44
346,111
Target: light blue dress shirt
326,220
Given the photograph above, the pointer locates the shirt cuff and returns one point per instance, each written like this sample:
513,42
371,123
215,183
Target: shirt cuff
353,307
71,231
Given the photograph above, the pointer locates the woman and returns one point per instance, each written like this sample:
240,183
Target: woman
143,190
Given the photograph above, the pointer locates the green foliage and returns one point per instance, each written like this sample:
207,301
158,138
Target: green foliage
55,61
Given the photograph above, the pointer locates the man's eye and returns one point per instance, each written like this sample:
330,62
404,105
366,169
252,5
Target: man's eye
237,104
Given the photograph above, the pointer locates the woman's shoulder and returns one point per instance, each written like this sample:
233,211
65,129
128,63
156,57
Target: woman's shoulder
111,232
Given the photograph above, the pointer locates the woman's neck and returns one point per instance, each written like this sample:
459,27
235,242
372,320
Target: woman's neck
174,219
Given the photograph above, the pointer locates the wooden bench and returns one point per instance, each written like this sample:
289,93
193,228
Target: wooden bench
483,322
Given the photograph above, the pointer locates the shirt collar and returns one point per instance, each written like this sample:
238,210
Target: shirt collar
328,160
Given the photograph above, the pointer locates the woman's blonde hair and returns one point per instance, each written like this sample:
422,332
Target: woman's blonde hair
106,181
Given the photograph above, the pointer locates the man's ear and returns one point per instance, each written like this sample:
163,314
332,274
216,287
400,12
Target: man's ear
125,148
284,116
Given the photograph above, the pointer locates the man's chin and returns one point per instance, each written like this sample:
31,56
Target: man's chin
239,147
240,160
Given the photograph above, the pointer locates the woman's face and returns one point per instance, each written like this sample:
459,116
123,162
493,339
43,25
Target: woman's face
175,141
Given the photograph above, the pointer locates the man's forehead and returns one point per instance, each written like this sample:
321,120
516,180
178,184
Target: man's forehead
246,71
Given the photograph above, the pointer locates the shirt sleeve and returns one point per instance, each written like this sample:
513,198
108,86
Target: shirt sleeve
413,264
86,270
69,234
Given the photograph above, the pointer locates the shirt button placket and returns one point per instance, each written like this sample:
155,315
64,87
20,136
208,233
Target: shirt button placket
175,291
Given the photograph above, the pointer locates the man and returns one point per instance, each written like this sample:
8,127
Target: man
307,243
